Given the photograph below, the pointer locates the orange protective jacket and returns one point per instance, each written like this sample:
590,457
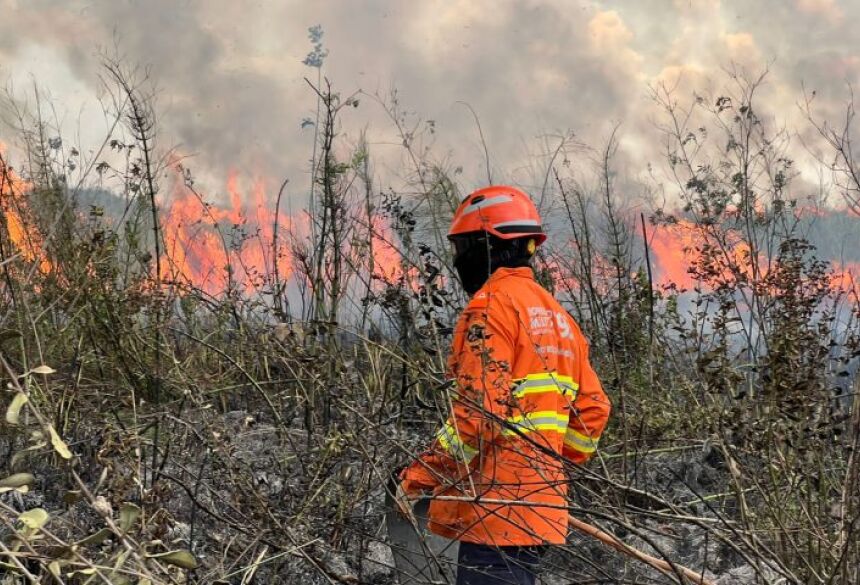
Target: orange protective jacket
525,396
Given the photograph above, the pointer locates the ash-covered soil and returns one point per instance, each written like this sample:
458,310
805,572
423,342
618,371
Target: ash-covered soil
235,491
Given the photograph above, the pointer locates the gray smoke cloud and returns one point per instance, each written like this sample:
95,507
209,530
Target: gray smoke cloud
232,89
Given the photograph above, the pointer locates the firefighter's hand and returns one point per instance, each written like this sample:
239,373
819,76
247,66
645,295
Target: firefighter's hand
405,503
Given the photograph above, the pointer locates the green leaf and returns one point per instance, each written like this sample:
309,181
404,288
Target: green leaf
34,519
58,443
14,410
179,558
128,515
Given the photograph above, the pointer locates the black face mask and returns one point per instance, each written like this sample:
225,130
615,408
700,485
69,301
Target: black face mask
477,256
473,268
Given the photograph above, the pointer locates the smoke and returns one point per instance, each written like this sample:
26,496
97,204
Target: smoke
232,90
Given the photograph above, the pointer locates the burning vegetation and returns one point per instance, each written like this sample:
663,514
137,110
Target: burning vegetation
203,387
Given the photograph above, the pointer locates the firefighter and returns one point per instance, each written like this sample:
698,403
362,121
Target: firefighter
524,398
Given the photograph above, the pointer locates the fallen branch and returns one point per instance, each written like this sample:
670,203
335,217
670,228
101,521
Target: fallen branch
659,564
606,538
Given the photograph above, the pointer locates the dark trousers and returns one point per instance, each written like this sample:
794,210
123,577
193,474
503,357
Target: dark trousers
480,564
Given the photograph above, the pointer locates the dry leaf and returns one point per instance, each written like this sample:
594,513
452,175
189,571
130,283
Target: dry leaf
128,515
14,410
43,369
21,454
17,480
179,558
97,538
72,497
58,444
34,519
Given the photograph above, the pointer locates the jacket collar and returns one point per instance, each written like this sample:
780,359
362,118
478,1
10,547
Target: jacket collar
521,272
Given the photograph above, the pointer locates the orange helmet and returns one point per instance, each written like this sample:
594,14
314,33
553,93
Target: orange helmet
503,211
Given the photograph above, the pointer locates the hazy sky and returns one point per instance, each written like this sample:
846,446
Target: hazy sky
232,90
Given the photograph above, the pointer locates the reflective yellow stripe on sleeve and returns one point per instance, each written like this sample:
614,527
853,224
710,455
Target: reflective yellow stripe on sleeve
449,439
545,382
579,442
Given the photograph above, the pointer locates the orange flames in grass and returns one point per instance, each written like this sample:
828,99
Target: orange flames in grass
846,276
670,249
676,247
217,248
232,247
20,228
388,264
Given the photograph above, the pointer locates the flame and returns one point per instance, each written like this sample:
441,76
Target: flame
602,277
677,248
220,249
846,276
671,247
561,271
21,229
387,260
231,247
